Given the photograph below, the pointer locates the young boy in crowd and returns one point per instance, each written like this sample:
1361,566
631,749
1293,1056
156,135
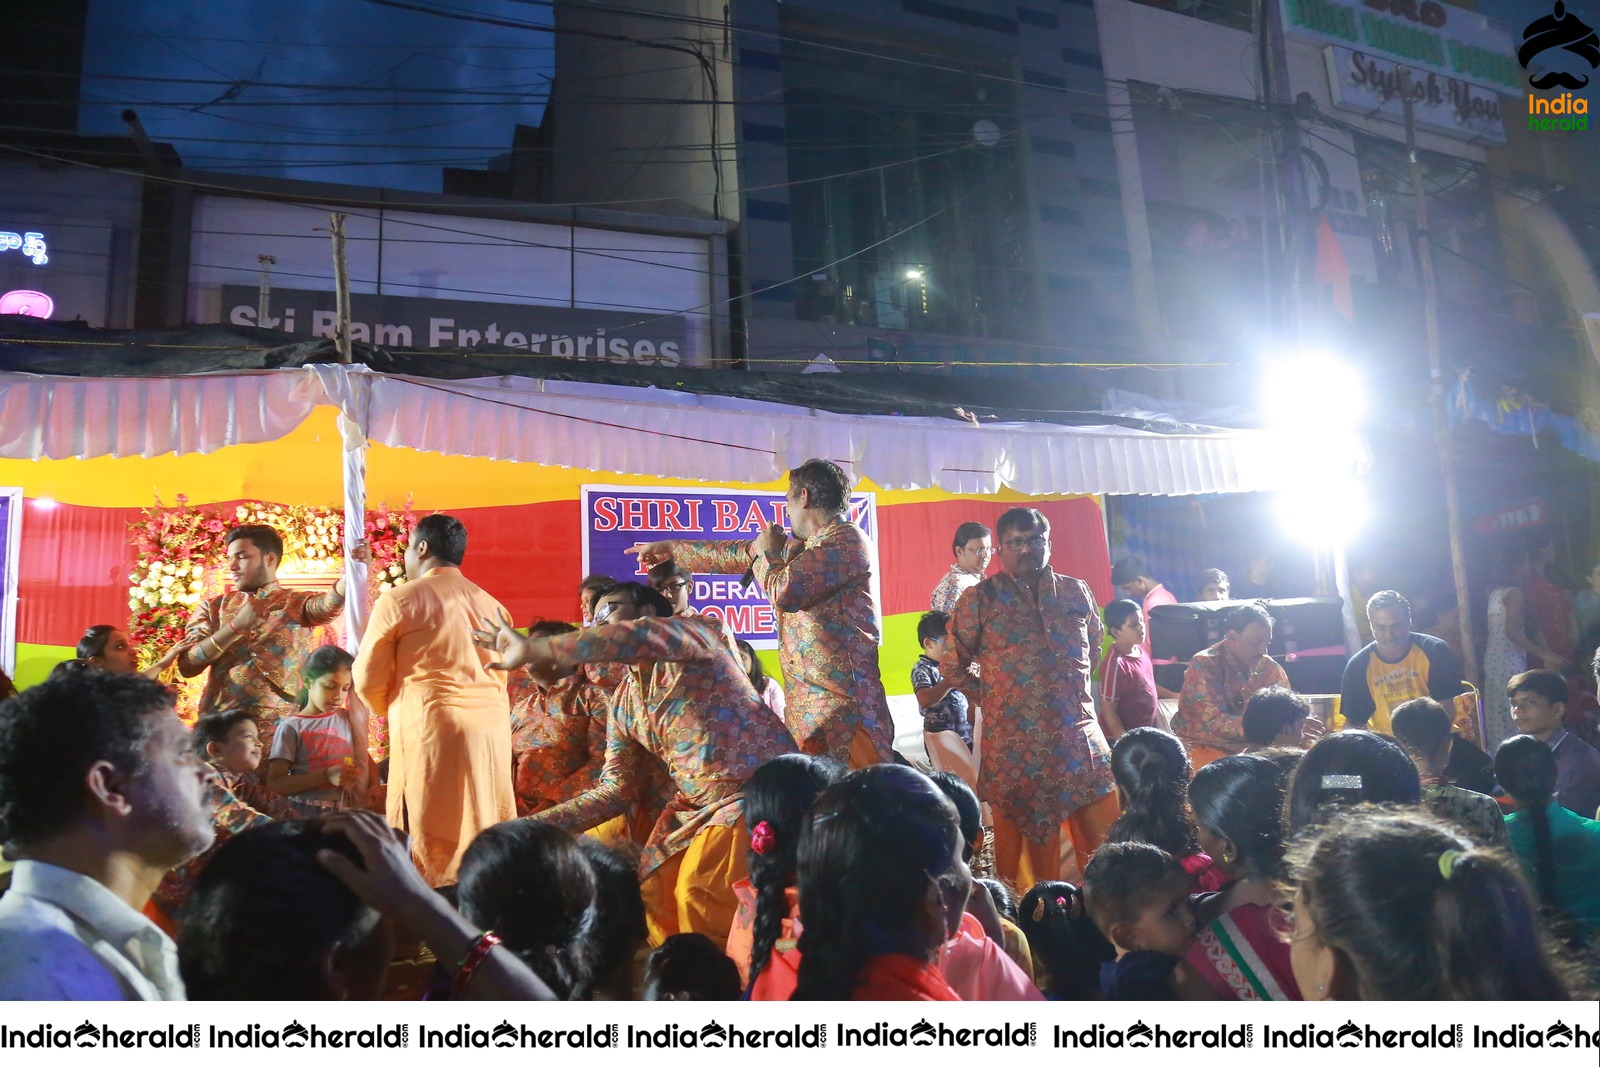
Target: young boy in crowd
1539,707
944,705
230,741
1138,897
1127,679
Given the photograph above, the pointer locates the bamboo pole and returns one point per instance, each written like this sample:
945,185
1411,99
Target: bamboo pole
1441,421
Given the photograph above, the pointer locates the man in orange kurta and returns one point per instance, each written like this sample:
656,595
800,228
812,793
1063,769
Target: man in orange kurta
449,722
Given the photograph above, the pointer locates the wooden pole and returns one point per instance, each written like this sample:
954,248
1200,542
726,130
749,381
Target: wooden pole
1441,420
264,294
341,290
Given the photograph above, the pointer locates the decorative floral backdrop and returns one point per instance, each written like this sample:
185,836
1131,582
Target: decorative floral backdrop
179,557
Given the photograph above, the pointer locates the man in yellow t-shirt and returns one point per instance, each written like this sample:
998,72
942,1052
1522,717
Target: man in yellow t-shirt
1398,666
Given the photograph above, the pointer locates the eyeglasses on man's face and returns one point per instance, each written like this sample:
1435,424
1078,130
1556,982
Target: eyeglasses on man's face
1022,544
673,586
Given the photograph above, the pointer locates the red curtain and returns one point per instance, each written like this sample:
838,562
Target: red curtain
914,545
75,560
73,564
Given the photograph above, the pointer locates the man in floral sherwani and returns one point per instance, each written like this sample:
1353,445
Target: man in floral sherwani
819,580
1221,680
685,704
253,639
1046,768
558,739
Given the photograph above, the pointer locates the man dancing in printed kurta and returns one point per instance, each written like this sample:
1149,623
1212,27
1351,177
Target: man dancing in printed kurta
820,583
685,703
252,639
449,721
558,740
1046,766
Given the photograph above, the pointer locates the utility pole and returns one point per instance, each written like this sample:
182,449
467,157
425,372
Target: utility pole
341,290
1441,421
264,295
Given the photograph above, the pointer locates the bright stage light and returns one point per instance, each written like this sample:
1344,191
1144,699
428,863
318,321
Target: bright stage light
1323,514
1314,404
1313,392
913,275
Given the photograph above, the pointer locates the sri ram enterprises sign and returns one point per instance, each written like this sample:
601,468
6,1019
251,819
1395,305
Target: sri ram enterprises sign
1457,61
425,323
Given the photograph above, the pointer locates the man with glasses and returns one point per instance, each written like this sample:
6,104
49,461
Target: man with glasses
973,548
674,582
1046,766
818,577
685,708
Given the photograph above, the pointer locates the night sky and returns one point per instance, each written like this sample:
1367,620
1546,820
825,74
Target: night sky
348,91
358,91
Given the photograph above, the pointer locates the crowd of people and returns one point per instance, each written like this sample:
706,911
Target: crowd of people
629,807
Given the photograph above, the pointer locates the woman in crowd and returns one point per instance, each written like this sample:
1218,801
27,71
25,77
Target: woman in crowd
1152,773
530,883
1395,906
1558,851
1238,952
1346,769
1067,947
107,648
768,689
297,910
1509,645
882,888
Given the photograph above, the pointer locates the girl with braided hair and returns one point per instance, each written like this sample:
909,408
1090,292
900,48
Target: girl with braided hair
775,802
1557,850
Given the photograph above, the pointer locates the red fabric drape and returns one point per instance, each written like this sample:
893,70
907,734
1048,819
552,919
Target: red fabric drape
75,560
914,545
73,564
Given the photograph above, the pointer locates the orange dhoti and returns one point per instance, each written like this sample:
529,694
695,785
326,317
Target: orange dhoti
1025,863
692,892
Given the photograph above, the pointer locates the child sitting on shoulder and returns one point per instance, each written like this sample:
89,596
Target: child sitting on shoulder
1138,896
314,762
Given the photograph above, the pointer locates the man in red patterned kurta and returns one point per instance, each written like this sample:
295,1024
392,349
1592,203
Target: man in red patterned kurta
1221,680
685,704
253,639
1046,767
819,580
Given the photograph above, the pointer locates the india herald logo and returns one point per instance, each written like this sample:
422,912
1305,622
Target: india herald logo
1564,31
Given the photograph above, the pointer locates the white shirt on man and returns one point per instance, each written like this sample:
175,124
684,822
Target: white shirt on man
67,937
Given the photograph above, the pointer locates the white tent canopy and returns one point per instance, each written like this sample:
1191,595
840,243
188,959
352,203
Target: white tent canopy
630,430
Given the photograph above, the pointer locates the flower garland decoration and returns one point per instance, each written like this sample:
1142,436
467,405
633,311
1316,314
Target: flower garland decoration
179,551
171,547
